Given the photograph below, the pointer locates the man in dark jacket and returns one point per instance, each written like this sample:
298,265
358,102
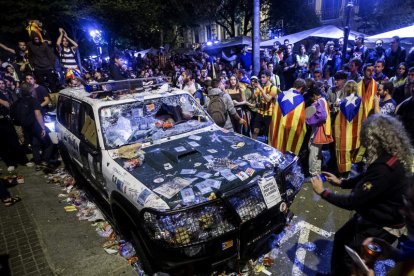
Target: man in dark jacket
115,69
405,110
394,56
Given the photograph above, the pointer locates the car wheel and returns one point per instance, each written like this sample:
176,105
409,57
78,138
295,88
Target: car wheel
126,228
146,265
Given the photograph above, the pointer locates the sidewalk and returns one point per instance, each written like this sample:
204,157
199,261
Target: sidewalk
42,239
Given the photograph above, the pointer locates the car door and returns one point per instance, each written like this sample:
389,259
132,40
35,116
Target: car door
68,119
90,153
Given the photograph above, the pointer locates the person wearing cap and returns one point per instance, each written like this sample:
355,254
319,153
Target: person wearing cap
265,98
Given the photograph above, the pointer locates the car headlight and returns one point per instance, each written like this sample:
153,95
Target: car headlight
190,226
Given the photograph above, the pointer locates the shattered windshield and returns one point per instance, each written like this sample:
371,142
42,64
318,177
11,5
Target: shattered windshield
150,120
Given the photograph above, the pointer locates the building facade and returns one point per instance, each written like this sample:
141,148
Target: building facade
333,11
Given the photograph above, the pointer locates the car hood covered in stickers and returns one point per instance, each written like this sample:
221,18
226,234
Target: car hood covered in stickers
196,168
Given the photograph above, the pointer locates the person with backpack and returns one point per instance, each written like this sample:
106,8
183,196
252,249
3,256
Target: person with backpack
221,107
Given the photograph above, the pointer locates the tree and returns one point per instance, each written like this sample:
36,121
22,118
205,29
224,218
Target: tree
377,16
297,15
226,13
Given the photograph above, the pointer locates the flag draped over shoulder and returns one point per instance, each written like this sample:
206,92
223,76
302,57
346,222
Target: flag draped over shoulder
367,95
347,128
288,126
328,129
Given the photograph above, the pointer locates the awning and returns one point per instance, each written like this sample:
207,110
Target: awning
231,42
406,32
328,31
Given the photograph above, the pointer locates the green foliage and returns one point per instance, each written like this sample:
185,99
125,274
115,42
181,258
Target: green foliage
296,15
376,16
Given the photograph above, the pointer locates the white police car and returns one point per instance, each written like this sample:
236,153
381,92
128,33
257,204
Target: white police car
185,191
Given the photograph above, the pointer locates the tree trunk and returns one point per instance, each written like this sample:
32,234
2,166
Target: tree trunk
256,37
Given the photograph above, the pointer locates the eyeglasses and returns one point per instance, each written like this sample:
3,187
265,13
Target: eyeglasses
379,44
401,68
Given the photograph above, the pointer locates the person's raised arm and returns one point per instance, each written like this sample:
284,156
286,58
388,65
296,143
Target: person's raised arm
5,48
59,40
74,44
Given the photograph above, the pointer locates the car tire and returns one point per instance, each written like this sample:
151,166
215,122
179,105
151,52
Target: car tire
126,227
136,242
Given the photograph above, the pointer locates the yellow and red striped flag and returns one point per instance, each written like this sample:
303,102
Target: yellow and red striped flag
367,95
347,128
288,126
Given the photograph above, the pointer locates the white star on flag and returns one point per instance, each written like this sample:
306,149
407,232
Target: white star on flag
351,100
288,96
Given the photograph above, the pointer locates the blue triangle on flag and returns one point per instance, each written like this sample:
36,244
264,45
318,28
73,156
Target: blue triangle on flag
350,110
286,106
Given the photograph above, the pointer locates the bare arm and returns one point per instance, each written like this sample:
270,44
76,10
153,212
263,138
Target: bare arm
45,102
59,40
74,44
243,99
5,48
377,109
4,103
39,119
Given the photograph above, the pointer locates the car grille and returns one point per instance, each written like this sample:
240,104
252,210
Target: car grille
190,226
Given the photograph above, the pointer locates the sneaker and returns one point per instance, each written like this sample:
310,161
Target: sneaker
38,168
10,168
30,164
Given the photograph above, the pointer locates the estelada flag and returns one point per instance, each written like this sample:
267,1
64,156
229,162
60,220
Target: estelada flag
288,126
367,96
347,127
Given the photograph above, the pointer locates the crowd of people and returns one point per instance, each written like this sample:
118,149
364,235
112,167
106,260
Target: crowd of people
358,107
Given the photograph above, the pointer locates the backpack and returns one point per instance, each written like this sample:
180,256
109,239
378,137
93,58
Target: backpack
217,110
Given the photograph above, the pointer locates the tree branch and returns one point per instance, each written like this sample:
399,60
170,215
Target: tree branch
225,28
264,20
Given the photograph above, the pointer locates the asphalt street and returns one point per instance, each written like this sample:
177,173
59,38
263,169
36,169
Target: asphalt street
72,247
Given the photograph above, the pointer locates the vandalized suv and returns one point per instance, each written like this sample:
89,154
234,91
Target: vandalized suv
186,192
